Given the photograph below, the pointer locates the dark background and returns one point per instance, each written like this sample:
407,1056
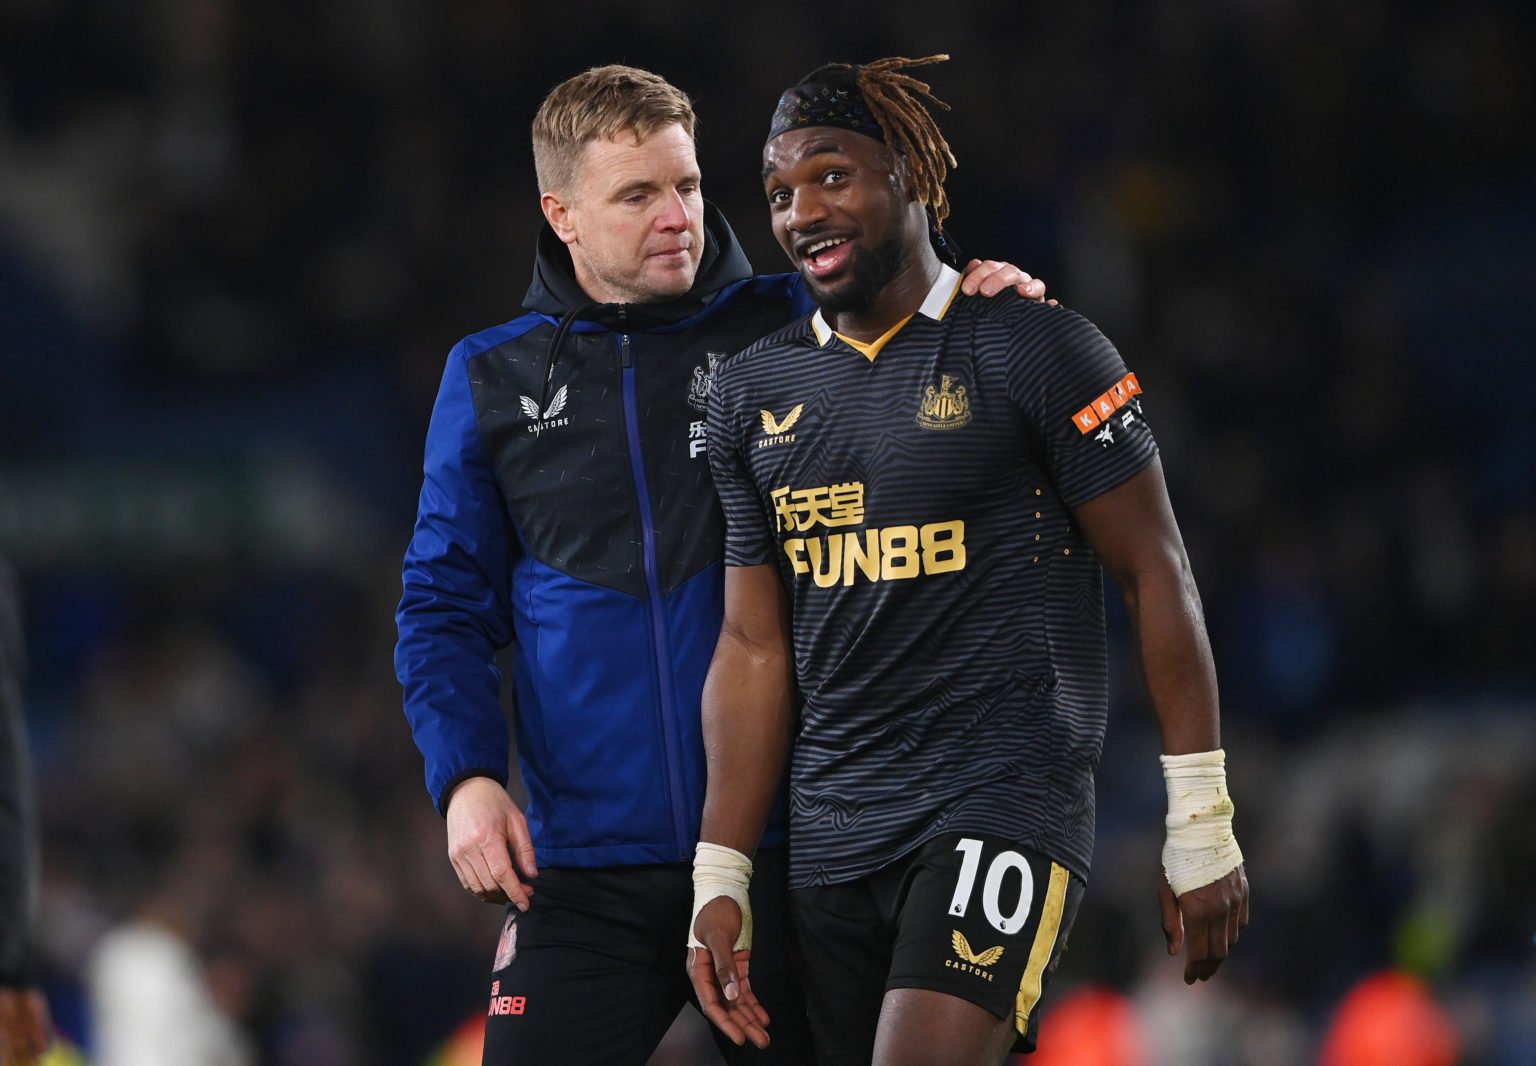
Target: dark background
237,241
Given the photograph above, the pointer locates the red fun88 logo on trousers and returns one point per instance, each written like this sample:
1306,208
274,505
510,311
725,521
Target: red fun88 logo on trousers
501,1004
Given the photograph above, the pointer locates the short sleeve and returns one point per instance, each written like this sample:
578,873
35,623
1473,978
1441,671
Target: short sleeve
1082,402
749,534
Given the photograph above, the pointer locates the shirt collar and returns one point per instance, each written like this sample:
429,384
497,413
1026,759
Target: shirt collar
935,304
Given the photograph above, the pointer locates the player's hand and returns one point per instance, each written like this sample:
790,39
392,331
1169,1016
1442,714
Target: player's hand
485,830
990,277
25,1031
725,993
1207,920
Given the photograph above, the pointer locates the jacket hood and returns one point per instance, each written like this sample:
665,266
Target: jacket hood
555,292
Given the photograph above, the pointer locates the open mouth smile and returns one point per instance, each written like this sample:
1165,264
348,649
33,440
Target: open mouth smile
825,256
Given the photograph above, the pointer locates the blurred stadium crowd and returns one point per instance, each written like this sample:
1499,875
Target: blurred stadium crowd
237,239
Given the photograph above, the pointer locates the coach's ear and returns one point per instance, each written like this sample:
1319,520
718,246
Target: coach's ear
559,214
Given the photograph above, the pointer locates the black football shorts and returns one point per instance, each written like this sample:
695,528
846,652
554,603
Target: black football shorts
975,917
595,971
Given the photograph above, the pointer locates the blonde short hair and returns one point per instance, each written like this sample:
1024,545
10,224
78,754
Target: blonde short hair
596,104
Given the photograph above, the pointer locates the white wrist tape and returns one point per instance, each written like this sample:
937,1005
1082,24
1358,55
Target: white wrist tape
721,871
1200,847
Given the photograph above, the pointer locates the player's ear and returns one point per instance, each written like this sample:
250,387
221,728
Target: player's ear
558,213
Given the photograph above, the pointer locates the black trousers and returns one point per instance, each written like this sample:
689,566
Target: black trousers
594,971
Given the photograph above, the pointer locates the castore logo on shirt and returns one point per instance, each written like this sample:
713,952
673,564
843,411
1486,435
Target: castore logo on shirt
779,432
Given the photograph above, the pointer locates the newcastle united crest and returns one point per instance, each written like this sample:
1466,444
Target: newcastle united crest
945,407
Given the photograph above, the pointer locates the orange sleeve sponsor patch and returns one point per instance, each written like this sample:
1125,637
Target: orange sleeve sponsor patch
1106,404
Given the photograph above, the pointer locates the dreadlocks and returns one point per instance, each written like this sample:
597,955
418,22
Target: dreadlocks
896,101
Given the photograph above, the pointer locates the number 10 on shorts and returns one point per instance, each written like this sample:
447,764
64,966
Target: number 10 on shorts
992,886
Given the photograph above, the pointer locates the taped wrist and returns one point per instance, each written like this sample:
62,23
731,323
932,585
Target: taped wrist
1200,847
721,871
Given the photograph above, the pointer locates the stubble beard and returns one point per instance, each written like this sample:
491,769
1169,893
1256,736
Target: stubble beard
626,282
872,272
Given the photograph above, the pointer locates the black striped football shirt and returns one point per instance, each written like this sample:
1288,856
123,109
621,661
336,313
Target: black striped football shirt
948,617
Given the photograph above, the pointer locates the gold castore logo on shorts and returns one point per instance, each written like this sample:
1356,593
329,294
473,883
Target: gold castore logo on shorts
944,408
779,432
971,961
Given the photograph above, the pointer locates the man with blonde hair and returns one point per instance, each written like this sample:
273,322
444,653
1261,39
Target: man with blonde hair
567,509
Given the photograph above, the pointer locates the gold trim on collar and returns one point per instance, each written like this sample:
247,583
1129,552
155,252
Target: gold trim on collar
872,349
935,305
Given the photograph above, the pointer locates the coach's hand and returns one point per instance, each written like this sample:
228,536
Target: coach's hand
724,991
989,277
485,829
1207,919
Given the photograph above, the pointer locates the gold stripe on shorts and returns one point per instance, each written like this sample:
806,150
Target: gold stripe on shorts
1045,944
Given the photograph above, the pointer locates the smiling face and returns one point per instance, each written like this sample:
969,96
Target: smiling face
842,214
633,216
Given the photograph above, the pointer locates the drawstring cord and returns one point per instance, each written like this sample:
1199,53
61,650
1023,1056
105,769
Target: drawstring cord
552,352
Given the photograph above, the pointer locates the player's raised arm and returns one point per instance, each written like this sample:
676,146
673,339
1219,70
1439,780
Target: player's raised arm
748,721
1132,529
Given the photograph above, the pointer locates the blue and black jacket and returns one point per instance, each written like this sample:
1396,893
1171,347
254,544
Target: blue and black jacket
567,509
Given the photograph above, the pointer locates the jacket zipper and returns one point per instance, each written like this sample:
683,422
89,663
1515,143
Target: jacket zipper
661,640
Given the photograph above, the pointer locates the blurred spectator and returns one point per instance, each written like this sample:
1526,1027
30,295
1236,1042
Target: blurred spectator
154,999
1091,1027
1389,1019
